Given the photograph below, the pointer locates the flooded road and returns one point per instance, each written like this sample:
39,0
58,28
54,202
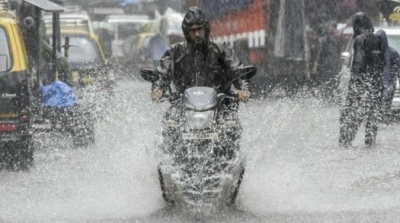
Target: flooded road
295,171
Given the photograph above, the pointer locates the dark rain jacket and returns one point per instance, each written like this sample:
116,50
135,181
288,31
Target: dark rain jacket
368,59
186,67
391,70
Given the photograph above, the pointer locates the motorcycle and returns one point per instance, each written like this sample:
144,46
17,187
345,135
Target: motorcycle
202,165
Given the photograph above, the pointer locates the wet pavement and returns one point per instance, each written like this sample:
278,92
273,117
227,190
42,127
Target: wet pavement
295,171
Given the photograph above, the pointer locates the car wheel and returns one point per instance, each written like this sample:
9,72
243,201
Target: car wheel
19,155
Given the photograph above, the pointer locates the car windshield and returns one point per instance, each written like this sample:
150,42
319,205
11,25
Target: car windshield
82,50
5,59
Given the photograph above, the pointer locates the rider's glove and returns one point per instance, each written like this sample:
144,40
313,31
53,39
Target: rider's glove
244,95
157,94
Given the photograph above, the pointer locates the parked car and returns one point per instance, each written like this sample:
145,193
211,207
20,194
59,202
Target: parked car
393,36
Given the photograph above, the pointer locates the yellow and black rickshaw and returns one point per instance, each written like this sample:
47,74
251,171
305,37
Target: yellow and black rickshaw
394,17
22,78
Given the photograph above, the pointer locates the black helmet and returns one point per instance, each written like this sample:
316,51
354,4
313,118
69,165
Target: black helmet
195,16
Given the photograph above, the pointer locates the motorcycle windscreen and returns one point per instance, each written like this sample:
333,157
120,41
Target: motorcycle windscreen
200,98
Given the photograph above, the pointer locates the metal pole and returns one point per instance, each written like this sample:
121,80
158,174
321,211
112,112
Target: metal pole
38,48
56,16
56,43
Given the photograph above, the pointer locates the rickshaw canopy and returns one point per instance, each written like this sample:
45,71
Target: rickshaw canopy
47,6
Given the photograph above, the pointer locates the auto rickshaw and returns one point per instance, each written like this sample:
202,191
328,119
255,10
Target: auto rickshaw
24,103
394,17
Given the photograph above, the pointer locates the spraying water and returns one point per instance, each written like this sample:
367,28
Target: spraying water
294,172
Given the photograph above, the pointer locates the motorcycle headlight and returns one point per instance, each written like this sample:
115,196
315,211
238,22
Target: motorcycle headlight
199,120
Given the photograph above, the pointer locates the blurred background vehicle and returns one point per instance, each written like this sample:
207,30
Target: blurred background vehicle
92,77
84,52
112,32
138,49
71,20
72,5
136,53
33,95
123,26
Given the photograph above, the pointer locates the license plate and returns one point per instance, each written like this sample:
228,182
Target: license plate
198,136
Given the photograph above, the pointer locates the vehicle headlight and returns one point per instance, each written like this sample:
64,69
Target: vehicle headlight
199,120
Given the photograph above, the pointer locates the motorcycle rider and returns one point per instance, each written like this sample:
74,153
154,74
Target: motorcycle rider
364,96
199,62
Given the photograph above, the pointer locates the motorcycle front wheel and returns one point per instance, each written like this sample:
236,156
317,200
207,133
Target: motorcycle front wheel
236,190
164,193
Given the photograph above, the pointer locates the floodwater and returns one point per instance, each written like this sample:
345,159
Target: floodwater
295,171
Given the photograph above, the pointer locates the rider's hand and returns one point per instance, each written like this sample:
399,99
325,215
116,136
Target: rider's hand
244,95
157,94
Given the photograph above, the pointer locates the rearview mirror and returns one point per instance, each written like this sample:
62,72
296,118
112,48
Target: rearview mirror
149,75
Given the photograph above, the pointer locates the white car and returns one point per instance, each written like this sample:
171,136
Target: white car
393,36
124,26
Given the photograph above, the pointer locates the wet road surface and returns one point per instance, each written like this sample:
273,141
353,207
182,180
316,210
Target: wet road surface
295,171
